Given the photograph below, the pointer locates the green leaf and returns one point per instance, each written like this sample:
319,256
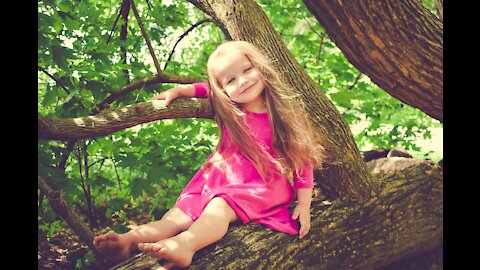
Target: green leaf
72,24
100,181
50,96
128,161
137,185
343,98
60,55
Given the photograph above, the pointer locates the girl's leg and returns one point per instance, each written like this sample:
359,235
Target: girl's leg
118,247
210,227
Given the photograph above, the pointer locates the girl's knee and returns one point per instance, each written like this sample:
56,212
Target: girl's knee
178,216
219,203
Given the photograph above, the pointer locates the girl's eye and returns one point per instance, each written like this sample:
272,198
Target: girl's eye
230,80
247,69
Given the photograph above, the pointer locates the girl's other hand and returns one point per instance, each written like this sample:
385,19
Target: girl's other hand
168,96
302,211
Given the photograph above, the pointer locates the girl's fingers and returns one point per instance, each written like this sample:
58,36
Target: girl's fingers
304,225
169,97
157,97
303,231
295,214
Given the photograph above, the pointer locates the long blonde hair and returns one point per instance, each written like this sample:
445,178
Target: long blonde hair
293,137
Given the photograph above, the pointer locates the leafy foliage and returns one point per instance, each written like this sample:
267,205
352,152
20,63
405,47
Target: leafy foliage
152,162
377,119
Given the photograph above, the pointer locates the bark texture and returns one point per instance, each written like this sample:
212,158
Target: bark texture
404,221
61,207
398,44
112,120
344,175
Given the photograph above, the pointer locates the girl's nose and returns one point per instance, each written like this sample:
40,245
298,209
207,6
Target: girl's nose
242,80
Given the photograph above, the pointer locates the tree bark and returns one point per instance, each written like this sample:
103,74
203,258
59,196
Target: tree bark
403,221
344,174
112,120
398,44
60,206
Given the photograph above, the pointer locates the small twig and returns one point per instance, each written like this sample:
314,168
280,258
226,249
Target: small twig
116,172
57,82
85,161
86,191
315,31
115,23
150,6
69,148
95,162
82,183
123,36
87,175
101,165
356,80
55,79
145,36
184,35
320,48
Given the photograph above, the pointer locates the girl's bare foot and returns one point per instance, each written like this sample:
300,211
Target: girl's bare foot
114,246
176,250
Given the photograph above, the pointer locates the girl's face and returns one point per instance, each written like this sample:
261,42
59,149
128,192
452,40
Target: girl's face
240,79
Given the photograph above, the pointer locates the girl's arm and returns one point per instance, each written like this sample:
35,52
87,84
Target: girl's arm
304,196
186,90
303,182
302,210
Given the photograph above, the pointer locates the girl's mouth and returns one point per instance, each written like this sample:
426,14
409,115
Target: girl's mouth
248,88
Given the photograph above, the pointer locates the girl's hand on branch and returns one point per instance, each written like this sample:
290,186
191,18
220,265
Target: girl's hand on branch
302,211
168,96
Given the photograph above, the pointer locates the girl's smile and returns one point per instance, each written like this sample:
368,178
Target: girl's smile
248,88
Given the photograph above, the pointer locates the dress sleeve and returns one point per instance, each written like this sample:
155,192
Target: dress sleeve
305,178
201,90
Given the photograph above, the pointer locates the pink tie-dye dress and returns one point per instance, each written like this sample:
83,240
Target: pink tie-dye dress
236,180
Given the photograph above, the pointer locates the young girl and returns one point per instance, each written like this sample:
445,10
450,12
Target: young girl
265,145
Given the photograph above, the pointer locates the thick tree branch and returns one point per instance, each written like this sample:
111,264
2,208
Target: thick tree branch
404,220
403,54
125,90
60,206
112,120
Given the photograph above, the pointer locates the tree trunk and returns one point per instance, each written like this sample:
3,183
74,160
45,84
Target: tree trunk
345,175
398,44
403,221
